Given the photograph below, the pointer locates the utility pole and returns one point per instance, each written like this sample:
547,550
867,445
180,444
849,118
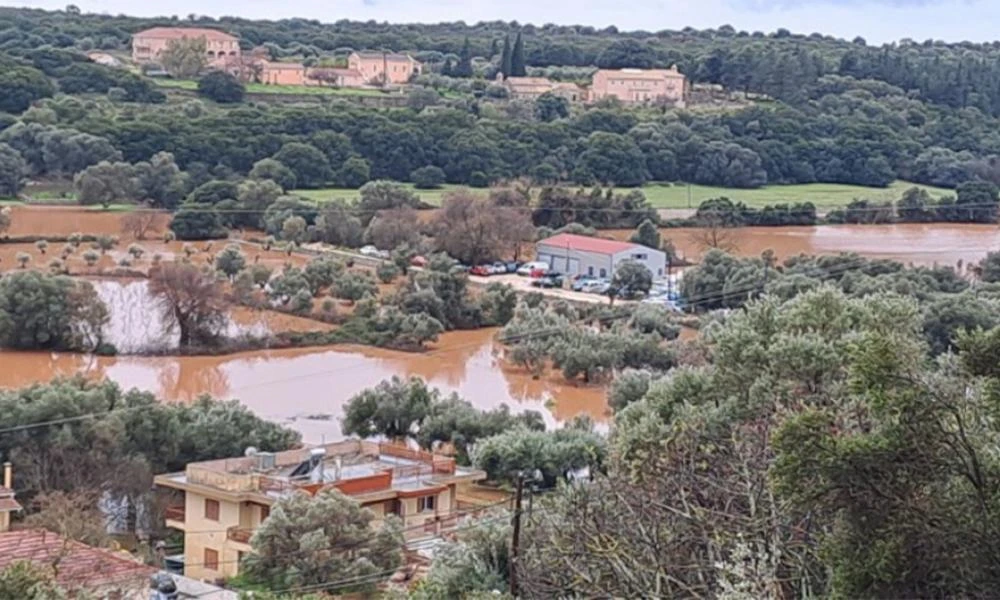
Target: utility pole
515,542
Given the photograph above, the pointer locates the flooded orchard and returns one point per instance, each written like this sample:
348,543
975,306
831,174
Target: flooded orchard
307,388
926,244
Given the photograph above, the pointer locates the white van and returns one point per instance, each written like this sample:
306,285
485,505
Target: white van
527,268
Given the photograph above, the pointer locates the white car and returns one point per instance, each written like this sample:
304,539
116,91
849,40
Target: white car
594,286
527,268
369,250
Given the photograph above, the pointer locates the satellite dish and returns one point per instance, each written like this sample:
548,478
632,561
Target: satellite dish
250,451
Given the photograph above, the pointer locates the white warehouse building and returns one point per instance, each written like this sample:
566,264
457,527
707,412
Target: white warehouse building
581,254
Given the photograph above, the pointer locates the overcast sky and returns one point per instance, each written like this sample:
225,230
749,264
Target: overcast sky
876,20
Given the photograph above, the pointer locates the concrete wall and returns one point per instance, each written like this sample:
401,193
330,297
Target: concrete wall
575,262
201,533
654,260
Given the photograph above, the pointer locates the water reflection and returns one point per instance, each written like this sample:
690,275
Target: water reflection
296,386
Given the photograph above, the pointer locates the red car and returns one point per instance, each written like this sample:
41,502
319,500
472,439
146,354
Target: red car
536,273
418,261
481,270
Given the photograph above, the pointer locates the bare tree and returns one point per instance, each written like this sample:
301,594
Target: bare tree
141,221
474,229
190,300
394,227
714,233
75,515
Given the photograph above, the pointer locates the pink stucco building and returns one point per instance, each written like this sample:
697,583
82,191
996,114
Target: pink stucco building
147,45
384,67
636,86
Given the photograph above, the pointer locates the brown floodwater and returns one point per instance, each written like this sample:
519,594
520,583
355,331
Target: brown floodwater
307,388
917,243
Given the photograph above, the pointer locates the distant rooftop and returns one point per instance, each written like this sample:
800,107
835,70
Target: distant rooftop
355,467
176,33
393,56
586,243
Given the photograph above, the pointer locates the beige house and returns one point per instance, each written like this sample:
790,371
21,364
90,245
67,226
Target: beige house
384,67
147,45
220,503
637,86
531,88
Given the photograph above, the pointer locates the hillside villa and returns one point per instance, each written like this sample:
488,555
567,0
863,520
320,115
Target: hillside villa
149,44
630,86
636,86
219,503
378,68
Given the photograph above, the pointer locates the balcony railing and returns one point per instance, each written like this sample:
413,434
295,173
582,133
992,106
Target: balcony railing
174,513
239,534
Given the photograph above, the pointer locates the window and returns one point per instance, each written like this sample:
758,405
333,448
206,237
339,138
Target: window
604,273
425,503
211,509
590,271
640,256
211,559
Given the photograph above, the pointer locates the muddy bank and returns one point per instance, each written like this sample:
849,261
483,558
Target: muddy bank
307,388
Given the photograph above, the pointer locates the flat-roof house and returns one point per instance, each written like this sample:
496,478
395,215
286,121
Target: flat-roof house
224,501
580,254
147,45
384,67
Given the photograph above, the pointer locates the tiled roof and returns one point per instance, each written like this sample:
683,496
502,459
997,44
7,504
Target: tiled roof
8,504
78,565
640,73
391,56
585,243
176,33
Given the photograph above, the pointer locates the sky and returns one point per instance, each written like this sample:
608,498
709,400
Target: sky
876,20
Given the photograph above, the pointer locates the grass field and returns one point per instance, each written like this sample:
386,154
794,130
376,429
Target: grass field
823,195
432,197
662,195
260,88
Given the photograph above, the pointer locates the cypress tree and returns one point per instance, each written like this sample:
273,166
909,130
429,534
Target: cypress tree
505,58
446,69
464,67
494,47
517,58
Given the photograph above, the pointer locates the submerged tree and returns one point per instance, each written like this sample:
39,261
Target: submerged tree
190,301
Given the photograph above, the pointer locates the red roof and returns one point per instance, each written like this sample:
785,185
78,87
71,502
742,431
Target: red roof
176,33
78,566
584,243
7,501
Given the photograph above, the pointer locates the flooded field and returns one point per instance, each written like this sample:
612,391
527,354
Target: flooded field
917,243
307,388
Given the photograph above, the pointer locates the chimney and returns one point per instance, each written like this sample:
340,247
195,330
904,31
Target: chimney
8,476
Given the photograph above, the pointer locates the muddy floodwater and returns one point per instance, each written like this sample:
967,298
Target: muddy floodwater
918,243
307,388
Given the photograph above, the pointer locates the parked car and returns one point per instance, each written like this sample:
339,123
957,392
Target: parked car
592,286
383,254
481,270
513,266
418,261
550,280
528,268
498,268
369,250
580,281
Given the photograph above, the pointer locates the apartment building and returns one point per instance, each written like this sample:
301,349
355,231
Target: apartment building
147,45
384,67
638,86
220,503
